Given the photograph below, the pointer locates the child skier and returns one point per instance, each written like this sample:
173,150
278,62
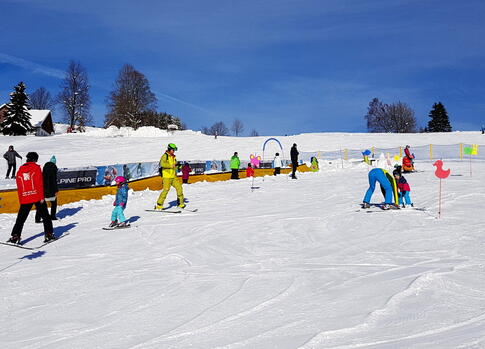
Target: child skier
277,164
117,216
186,172
403,187
249,171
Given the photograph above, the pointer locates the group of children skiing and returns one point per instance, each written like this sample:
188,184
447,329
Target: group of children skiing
394,187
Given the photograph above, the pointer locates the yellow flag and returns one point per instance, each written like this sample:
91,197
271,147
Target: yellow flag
474,149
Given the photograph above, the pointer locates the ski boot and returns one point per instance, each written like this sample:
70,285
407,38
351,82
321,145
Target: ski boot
122,225
113,224
49,237
365,205
14,239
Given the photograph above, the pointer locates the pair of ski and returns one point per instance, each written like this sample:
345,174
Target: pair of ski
20,245
173,210
380,207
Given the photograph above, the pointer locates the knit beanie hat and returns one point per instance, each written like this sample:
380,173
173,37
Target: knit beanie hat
53,159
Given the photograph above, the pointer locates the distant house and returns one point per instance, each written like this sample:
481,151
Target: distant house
3,112
41,120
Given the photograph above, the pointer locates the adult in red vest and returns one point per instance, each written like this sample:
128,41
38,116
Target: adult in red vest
30,189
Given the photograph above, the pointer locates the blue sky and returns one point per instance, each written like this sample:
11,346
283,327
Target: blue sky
281,66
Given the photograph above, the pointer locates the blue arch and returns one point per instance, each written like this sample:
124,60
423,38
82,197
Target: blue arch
272,139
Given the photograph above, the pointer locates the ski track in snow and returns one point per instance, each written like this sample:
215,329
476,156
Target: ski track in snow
291,265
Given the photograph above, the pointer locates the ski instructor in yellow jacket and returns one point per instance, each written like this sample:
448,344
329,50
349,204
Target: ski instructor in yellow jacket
168,167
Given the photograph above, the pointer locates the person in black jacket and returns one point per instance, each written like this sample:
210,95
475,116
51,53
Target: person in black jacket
49,173
11,156
294,160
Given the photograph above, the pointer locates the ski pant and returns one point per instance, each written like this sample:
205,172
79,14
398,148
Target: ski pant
53,210
377,175
185,180
12,167
166,184
24,213
277,170
118,214
294,164
234,173
407,198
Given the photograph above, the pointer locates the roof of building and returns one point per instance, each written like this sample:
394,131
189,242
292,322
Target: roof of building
37,117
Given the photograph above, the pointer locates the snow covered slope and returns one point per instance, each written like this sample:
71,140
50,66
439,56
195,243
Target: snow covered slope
293,264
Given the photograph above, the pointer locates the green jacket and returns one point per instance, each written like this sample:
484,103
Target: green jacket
235,163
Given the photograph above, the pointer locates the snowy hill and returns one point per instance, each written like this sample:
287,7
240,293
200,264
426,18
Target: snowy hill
292,264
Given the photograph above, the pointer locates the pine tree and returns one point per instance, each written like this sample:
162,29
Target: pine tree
17,118
439,119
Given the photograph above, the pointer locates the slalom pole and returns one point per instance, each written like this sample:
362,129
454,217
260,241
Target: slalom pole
252,184
439,205
341,159
470,165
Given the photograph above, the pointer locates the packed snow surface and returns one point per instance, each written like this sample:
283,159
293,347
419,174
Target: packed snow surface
287,264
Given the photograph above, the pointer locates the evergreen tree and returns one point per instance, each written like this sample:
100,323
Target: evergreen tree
439,119
17,118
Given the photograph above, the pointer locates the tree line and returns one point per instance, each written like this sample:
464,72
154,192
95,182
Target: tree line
130,103
399,118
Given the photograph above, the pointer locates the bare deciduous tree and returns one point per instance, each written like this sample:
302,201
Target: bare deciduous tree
218,128
131,100
237,127
254,133
41,99
394,118
74,97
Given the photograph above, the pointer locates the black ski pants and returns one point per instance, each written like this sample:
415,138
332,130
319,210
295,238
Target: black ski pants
234,173
24,213
277,170
53,210
294,164
12,167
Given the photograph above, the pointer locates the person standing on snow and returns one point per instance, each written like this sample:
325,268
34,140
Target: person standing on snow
235,163
30,189
118,219
11,156
168,168
388,188
294,160
49,174
186,172
277,164
249,171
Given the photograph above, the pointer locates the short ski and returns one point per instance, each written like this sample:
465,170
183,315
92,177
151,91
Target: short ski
17,245
164,211
33,248
114,228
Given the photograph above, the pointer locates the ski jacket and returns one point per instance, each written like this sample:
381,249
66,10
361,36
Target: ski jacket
122,195
186,171
249,172
49,174
277,162
168,164
403,185
408,153
235,163
294,154
30,186
393,183
10,156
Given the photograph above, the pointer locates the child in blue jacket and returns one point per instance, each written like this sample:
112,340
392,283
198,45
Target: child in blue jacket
117,216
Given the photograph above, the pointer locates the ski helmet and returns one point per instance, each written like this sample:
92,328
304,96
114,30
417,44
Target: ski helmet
172,146
120,179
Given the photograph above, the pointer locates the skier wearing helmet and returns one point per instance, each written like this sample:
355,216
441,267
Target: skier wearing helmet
168,169
118,219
